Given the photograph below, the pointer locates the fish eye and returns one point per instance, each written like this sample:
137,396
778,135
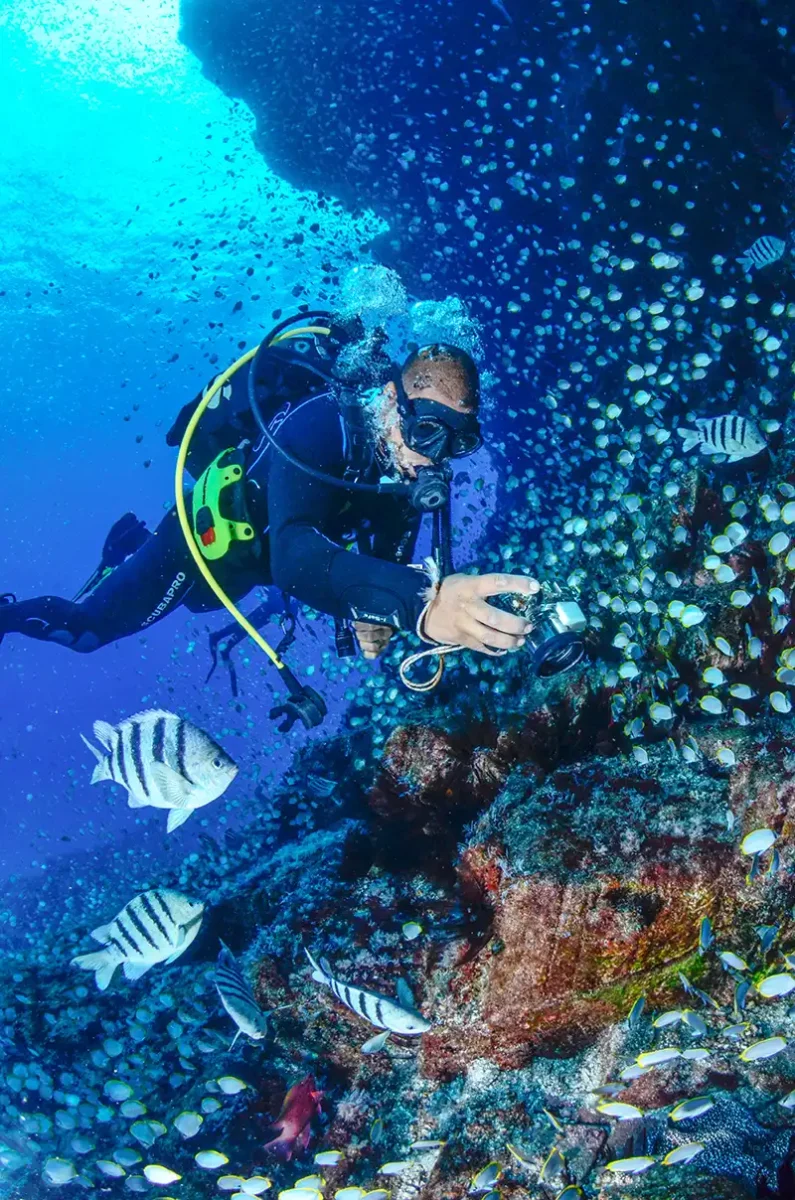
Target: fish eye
218,763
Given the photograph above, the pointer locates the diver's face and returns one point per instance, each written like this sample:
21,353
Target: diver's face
410,461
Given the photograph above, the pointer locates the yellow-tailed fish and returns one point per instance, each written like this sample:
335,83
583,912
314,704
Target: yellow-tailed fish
159,1175
554,1163
776,985
653,1058
682,1154
328,1158
691,1108
485,1179
767,1048
620,1110
394,1168
631,1166
210,1160
256,1185
520,1155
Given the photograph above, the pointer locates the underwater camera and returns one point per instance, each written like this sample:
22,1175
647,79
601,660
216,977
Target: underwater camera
555,641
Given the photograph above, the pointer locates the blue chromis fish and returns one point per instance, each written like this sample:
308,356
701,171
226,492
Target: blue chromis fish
162,761
156,926
378,1010
237,997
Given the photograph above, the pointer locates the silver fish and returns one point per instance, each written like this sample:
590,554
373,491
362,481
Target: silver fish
162,760
765,251
237,997
156,926
378,1010
734,436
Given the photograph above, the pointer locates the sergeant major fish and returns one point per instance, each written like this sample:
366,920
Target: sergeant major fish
156,926
378,1010
734,436
765,251
237,997
162,761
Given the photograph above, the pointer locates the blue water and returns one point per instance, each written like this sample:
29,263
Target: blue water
108,181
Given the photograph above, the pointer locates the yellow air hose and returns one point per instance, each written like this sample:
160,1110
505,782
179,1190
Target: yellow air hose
182,512
179,491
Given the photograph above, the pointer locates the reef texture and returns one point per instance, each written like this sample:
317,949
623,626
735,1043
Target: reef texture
577,883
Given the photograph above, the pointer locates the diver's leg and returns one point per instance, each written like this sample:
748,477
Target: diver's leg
138,593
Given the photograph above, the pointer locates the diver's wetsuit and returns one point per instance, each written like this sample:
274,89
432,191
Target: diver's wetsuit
303,525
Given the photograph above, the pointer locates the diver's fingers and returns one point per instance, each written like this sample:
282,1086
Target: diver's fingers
477,636
372,638
495,618
492,585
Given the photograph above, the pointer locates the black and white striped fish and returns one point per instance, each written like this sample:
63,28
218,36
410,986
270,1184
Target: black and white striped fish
156,926
237,997
163,761
736,437
764,252
378,1010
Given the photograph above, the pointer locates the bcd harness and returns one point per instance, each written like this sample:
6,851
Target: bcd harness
218,527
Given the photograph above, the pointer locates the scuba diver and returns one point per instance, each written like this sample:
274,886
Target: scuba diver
315,458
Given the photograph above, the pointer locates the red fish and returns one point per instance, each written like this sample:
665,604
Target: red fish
293,1126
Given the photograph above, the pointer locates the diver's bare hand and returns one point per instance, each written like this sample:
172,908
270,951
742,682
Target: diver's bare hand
373,639
459,614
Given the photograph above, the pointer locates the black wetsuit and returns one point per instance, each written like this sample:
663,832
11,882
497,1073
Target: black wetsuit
304,525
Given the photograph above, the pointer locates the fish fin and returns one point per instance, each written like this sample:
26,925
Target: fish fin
101,934
234,1039
182,944
325,967
318,974
172,787
734,458
102,767
136,970
105,734
101,963
691,438
405,995
177,817
707,449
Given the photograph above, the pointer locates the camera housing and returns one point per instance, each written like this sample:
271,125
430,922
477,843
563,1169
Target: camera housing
555,642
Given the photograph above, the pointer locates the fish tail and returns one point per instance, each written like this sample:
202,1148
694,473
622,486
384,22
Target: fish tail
690,438
102,768
283,1145
745,262
318,974
101,963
